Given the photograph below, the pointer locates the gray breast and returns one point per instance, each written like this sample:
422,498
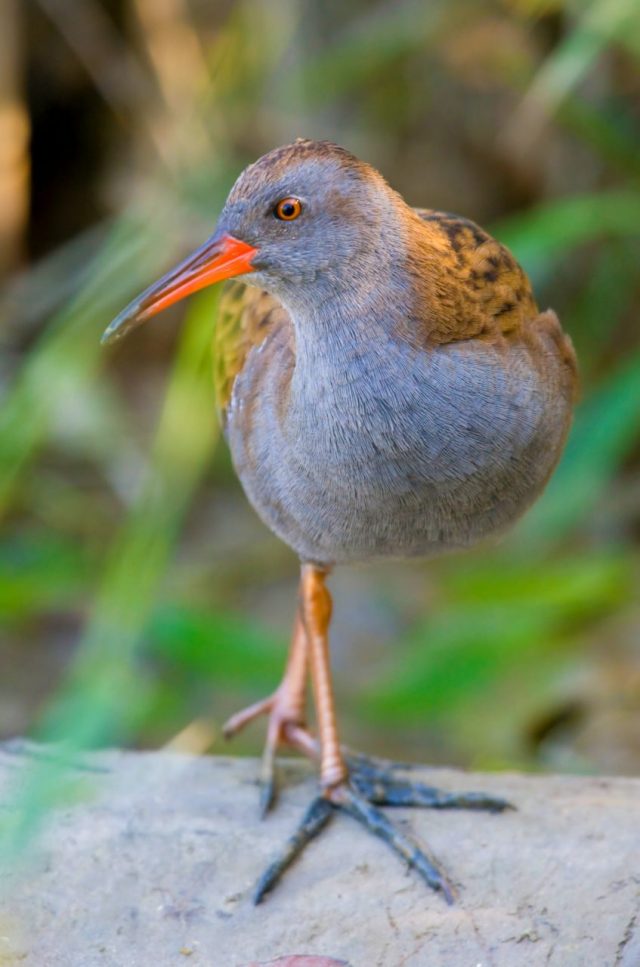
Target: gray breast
393,452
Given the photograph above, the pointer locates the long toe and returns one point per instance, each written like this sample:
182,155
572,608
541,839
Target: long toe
349,800
377,782
314,820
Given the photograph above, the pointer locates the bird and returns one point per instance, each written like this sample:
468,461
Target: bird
389,389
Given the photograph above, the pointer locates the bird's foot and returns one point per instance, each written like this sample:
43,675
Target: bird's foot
373,784
286,728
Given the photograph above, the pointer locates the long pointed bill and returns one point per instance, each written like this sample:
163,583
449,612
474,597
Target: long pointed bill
221,257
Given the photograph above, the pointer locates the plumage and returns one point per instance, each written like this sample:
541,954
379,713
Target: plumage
388,388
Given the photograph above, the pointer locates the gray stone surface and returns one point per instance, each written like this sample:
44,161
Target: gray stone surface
157,871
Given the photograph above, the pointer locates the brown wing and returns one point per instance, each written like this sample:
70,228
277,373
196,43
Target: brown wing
245,318
490,297
491,293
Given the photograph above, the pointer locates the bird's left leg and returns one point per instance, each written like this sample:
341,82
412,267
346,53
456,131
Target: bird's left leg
286,711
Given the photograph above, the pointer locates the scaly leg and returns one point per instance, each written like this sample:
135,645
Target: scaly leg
315,609
286,711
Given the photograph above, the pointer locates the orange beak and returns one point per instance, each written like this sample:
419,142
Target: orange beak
221,257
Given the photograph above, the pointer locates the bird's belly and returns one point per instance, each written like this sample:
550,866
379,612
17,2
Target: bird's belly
431,458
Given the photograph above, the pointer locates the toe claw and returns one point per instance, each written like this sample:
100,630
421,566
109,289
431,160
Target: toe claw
267,782
480,800
267,795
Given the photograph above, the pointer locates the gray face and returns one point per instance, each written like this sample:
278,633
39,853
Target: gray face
339,225
344,234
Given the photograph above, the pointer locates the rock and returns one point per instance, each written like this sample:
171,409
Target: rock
157,870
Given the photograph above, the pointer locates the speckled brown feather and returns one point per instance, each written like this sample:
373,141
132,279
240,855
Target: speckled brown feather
471,284
245,318
470,287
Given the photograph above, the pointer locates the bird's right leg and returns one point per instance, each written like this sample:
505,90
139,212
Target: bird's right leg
286,710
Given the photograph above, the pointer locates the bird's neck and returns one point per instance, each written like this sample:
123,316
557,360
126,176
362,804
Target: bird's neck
352,313
359,321
354,319
342,344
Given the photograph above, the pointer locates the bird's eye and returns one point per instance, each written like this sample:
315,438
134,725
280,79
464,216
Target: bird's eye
287,209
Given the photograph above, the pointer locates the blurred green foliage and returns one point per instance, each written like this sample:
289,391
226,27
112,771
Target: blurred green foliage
125,536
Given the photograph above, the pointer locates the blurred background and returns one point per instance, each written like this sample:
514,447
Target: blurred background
141,600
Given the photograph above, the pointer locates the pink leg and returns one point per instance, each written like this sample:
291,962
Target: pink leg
286,711
315,606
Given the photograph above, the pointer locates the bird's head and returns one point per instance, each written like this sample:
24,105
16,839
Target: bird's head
300,222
